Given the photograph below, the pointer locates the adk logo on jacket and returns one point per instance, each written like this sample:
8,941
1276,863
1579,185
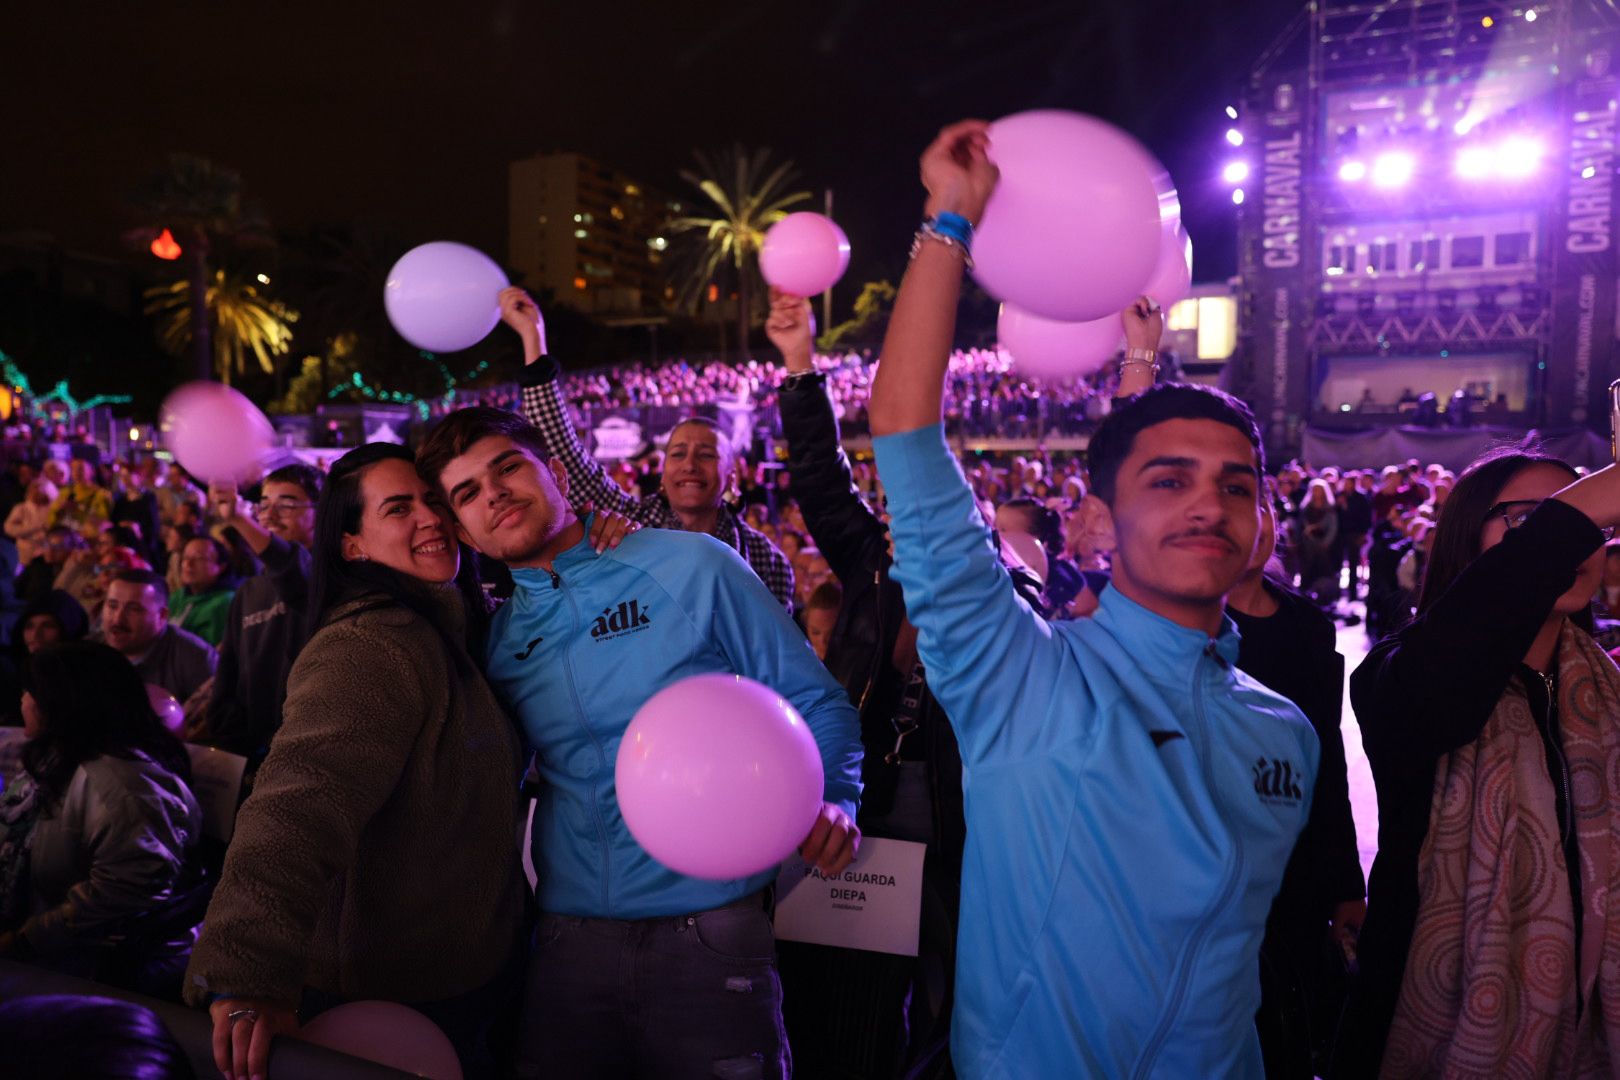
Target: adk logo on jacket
627,619
1276,782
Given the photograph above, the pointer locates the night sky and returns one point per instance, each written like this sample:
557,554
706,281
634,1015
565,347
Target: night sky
404,115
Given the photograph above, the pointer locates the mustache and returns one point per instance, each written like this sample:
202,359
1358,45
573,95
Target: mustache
1200,534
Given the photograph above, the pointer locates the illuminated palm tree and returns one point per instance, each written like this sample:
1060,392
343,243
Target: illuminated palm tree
244,323
747,196
201,204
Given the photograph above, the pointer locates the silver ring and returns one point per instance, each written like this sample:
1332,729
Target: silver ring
251,1015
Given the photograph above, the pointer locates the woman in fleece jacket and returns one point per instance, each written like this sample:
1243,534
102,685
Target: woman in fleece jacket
377,857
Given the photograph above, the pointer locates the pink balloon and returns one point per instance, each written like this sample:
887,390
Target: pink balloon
215,432
442,296
718,777
1172,279
804,254
1049,349
167,706
1072,230
387,1033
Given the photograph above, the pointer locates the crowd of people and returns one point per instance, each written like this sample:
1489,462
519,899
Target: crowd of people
987,395
1103,692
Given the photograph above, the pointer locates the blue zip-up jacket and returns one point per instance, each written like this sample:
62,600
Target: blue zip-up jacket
578,649
1132,799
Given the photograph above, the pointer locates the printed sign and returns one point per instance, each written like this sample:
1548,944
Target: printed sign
875,904
216,780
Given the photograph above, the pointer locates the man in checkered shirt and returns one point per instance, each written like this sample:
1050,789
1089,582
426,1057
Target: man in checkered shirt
698,462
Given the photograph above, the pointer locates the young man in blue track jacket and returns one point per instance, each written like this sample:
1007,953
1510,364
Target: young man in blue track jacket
1132,799
637,970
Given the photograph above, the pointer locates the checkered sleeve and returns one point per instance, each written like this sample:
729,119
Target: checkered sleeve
769,563
588,482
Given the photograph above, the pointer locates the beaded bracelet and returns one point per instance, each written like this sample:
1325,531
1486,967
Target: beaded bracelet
952,230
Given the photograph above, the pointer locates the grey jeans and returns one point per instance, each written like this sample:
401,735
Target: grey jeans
686,996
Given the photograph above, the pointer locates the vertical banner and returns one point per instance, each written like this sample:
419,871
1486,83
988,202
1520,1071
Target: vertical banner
1277,258
1583,359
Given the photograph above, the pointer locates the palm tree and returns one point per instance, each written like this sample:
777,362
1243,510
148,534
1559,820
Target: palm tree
748,196
201,204
245,322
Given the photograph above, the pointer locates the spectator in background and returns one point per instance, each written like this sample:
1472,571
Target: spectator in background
1288,644
700,462
137,508
175,492
82,504
202,604
268,619
97,869
1355,523
39,577
175,539
29,519
135,621
51,619
1320,556
821,615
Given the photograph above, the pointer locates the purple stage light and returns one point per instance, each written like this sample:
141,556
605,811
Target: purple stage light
1235,172
1475,162
1518,157
1237,196
1393,169
1352,172
1234,136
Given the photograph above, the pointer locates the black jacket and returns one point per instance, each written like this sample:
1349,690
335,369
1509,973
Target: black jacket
266,627
1429,690
1294,653
855,544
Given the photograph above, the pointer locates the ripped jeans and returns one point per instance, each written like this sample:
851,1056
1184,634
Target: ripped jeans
683,996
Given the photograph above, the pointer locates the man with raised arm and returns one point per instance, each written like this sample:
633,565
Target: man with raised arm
1131,797
699,462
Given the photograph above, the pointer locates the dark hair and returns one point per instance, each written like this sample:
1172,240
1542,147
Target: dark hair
1456,534
1116,435
144,578
1045,524
828,596
307,477
224,555
123,536
464,428
94,705
68,1037
334,579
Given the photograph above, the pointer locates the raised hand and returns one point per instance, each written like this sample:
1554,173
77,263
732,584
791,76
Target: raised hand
957,171
788,328
521,313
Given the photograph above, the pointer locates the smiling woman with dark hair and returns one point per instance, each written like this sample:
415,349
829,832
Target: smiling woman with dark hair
1492,724
377,855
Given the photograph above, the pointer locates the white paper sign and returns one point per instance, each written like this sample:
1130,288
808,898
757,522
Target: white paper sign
874,905
216,780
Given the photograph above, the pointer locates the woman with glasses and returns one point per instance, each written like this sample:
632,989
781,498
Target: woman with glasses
1492,724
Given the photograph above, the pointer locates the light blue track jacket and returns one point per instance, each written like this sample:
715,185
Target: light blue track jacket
576,652
1131,798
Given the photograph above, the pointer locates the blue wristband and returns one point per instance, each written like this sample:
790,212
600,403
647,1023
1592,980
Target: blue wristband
955,226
